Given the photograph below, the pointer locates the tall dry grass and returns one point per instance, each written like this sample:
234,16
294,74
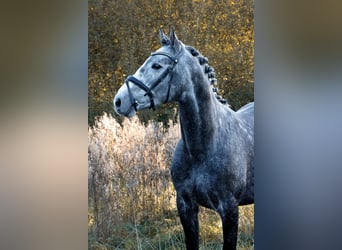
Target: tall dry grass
131,197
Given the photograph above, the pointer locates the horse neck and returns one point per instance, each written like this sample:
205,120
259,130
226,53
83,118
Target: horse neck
198,117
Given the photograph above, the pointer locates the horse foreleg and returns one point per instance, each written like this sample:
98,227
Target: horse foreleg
230,220
188,213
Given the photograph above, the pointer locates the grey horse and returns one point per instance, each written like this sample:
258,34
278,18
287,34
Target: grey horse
213,163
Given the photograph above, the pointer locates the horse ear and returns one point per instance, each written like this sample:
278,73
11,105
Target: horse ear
174,40
164,40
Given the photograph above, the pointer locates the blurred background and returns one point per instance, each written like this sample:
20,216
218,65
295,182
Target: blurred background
43,127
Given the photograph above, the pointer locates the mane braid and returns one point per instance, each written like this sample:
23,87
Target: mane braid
209,71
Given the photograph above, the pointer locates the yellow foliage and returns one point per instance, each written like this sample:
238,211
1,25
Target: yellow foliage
120,42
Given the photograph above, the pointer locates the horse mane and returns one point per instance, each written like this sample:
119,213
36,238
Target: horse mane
209,70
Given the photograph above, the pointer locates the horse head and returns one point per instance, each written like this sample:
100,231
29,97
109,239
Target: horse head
157,81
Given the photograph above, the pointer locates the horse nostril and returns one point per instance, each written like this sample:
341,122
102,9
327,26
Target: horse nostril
118,103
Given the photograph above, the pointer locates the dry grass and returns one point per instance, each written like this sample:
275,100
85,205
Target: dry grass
131,198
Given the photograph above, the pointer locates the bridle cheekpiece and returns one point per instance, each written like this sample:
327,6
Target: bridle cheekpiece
147,89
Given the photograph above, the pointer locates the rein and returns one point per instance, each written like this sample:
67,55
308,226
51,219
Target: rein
147,89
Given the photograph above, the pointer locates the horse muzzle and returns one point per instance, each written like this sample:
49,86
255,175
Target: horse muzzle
122,107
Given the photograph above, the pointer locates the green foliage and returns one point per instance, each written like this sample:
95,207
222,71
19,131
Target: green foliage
122,35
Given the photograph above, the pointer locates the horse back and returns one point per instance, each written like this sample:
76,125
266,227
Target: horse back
246,115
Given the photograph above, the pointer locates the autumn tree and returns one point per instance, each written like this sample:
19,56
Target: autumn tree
122,34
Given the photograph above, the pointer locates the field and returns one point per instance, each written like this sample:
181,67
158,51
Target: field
131,197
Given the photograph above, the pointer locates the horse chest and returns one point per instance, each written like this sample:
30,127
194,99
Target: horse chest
200,186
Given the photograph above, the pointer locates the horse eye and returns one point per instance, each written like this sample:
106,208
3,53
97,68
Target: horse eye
156,66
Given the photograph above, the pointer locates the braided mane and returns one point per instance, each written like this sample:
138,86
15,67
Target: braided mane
208,70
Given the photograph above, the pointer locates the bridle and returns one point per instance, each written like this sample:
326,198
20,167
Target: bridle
147,89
